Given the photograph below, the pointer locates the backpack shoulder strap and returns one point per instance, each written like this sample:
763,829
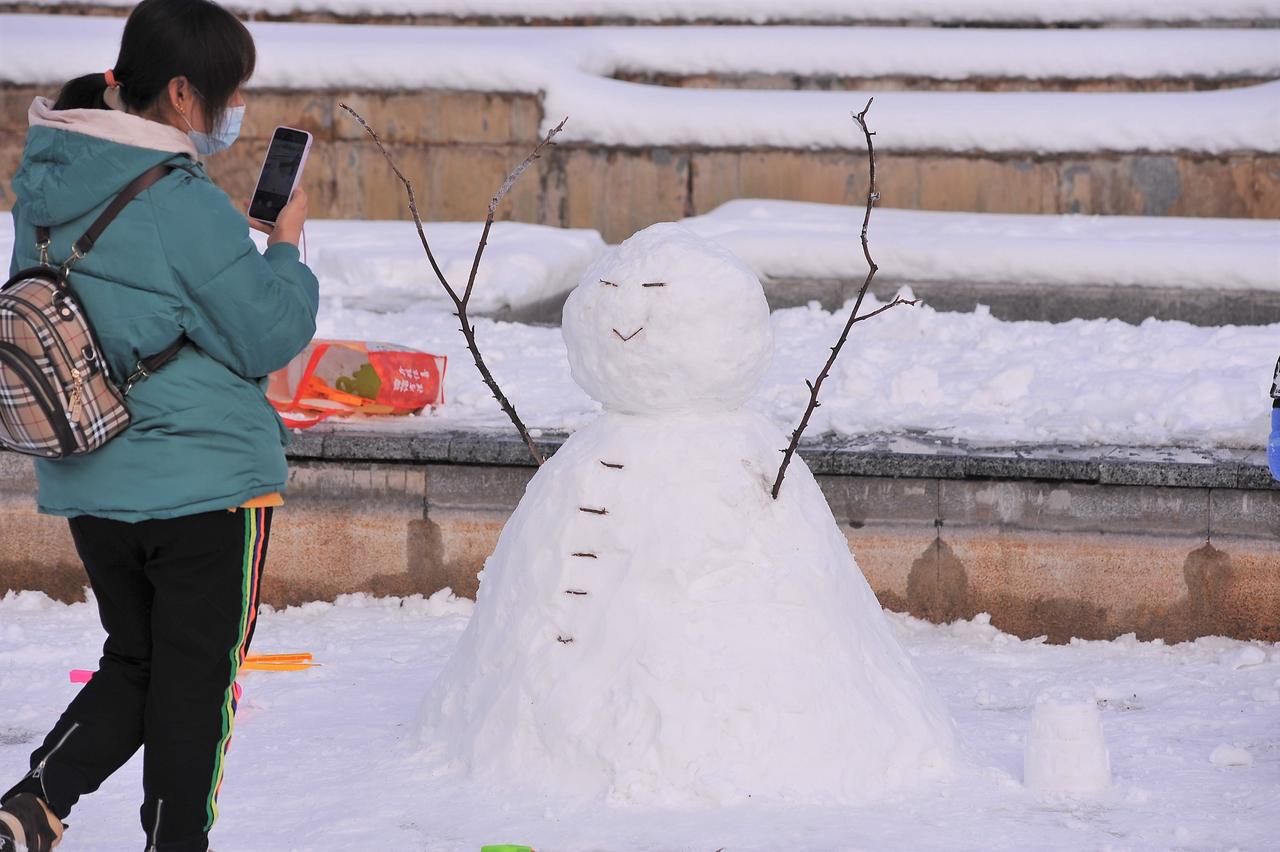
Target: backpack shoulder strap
130,192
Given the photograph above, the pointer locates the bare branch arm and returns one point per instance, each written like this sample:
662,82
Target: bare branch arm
816,386
898,300
501,194
460,302
413,202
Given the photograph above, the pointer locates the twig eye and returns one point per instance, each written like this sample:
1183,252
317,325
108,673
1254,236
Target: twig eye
654,284
607,283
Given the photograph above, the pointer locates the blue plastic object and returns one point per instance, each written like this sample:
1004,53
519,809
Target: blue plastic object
1273,446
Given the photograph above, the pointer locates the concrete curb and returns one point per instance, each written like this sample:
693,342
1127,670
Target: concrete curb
889,456
1088,542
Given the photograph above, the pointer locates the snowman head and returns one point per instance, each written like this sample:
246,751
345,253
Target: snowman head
668,322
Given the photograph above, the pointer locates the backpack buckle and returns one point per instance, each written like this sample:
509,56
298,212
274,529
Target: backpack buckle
44,253
76,254
140,373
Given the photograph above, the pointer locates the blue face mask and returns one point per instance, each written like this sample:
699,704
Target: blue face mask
220,140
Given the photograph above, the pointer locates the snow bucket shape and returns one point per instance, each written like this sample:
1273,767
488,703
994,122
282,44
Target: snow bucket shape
1066,750
653,627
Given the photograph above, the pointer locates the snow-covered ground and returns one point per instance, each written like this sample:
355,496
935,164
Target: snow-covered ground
380,266
761,11
963,376
951,375
572,66
1192,729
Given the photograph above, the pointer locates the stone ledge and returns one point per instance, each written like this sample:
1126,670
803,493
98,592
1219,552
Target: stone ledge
1032,301
886,456
1059,541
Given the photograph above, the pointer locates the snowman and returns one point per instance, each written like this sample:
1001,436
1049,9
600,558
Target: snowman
653,628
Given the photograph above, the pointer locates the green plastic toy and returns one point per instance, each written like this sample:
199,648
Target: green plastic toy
364,382
506,847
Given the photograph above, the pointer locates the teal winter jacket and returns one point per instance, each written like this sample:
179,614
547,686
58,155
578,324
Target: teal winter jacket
178,260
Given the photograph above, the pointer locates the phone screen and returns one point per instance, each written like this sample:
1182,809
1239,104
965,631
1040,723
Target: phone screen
275,184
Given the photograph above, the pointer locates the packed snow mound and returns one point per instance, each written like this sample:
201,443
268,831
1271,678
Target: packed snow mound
654,628
1066,750
668,321
380,265
715,645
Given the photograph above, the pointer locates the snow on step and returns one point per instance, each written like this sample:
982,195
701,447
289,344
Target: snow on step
571,67
412,57
931,54
652,627
795,239
761,11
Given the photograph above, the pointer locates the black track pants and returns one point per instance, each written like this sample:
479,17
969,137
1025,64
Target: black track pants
178,599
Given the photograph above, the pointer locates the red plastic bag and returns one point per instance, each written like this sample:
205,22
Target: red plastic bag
341,377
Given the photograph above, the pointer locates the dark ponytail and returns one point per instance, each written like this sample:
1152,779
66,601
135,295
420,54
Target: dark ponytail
163,39
83,93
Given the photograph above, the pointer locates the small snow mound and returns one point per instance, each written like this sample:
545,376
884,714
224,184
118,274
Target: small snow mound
440,604
1227,755
1246,657
1116,698
22,601
979,628
1066,749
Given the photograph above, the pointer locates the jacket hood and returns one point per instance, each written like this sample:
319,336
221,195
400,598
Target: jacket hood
76,159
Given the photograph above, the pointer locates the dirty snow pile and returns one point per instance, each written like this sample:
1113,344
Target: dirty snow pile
652,627
1191,731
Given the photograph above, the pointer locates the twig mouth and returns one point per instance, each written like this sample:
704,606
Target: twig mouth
629,336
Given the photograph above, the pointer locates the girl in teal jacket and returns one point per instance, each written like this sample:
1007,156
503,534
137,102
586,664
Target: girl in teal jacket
172,517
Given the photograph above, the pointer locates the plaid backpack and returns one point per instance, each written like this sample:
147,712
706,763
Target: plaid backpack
57,398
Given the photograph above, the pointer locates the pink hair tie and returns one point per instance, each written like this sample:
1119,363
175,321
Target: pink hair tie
112,83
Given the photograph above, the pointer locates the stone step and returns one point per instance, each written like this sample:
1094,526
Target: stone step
458,147
632,155
827,82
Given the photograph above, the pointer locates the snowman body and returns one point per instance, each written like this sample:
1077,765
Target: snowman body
653,627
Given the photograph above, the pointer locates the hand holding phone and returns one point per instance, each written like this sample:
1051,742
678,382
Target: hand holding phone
278,180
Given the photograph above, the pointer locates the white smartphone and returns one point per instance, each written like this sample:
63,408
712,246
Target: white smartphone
281,171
